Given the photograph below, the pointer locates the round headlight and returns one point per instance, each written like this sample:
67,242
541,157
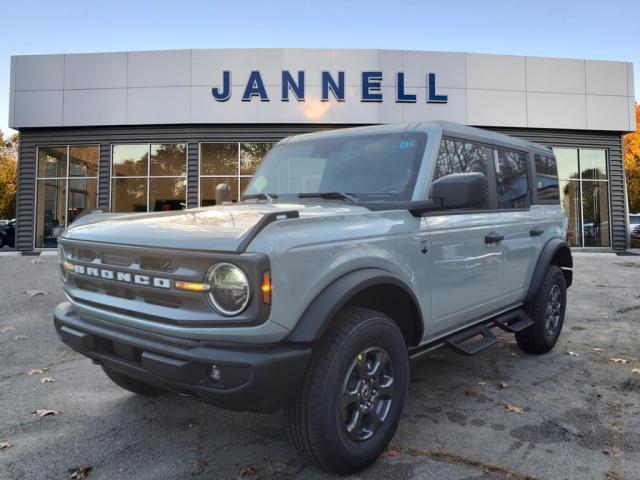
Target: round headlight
229,288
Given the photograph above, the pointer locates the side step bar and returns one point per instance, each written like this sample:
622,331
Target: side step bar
514,321
459,342
463,343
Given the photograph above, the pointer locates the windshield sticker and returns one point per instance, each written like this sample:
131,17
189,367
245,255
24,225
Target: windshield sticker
259,183
404,144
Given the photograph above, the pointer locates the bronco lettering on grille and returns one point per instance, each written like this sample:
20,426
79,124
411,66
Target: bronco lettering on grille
124,277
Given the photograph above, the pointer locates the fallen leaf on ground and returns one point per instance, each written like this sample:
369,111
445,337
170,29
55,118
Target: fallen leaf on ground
45,412
248,471
573,354
614,452
37,260
482,383
36,371
389,452
510,407
597,349
80,473
35,293
47,380
21,337
635,370
504,385
619,360
6,328
5,445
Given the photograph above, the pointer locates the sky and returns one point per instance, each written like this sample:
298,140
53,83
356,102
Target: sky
559,28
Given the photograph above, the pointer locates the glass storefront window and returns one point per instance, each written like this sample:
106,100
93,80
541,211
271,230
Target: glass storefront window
570,201
83,161
209,187
167,194
584,195
149,177
65,188
567,163
231,164
251,155
52,162
593,164
219,159
129,195
130,160
168,159
83,193
595,213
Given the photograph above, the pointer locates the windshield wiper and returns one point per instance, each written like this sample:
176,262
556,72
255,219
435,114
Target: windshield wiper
270,197
350,197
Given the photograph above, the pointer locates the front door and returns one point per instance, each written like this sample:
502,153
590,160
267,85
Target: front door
465,275
466,269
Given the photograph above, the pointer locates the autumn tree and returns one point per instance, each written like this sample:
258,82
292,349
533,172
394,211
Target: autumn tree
8,175
632,165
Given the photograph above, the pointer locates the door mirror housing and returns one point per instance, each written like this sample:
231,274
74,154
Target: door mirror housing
461,191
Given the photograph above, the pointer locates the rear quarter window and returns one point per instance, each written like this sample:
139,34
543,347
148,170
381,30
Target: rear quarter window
511,179
546,180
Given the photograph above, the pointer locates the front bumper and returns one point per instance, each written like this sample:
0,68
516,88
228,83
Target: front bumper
255,379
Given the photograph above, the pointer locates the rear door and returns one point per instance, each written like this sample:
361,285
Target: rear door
517,222
465,275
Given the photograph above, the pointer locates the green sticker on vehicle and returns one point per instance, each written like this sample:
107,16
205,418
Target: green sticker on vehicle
259,183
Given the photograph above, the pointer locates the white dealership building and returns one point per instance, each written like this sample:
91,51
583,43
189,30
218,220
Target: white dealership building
158,130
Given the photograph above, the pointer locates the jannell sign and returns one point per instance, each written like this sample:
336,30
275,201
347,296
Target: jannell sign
371,88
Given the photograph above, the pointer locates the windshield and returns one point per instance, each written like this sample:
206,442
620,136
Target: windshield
368,167
634,219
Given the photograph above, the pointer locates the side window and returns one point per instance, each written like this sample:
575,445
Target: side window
547,177
511,179
458,156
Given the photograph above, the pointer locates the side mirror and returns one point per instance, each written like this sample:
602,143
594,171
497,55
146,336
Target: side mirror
461,190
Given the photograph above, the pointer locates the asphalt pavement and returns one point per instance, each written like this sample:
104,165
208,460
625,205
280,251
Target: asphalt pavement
571,414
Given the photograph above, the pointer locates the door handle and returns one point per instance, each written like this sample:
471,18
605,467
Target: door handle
536,232
493,238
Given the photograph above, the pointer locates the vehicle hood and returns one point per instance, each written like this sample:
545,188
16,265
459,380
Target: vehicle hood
218,228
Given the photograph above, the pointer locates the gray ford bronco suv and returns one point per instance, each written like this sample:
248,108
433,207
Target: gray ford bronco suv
353,252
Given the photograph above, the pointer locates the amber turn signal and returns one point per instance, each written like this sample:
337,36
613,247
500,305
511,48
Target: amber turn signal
68,266
192,287
266,287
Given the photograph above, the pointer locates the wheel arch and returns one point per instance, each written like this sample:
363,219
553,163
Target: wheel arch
555,252
368,288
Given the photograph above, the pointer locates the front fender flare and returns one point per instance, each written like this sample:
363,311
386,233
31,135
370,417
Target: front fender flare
321,311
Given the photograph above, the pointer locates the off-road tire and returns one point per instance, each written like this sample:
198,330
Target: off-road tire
313,411
131,384
538,339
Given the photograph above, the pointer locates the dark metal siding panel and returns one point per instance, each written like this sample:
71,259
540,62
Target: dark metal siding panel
612,142
104,173
26,194
192,174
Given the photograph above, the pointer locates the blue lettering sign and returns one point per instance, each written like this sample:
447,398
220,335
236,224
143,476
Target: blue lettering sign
337,89
371,87
401,96
288,83
255,87
432,96
224,94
